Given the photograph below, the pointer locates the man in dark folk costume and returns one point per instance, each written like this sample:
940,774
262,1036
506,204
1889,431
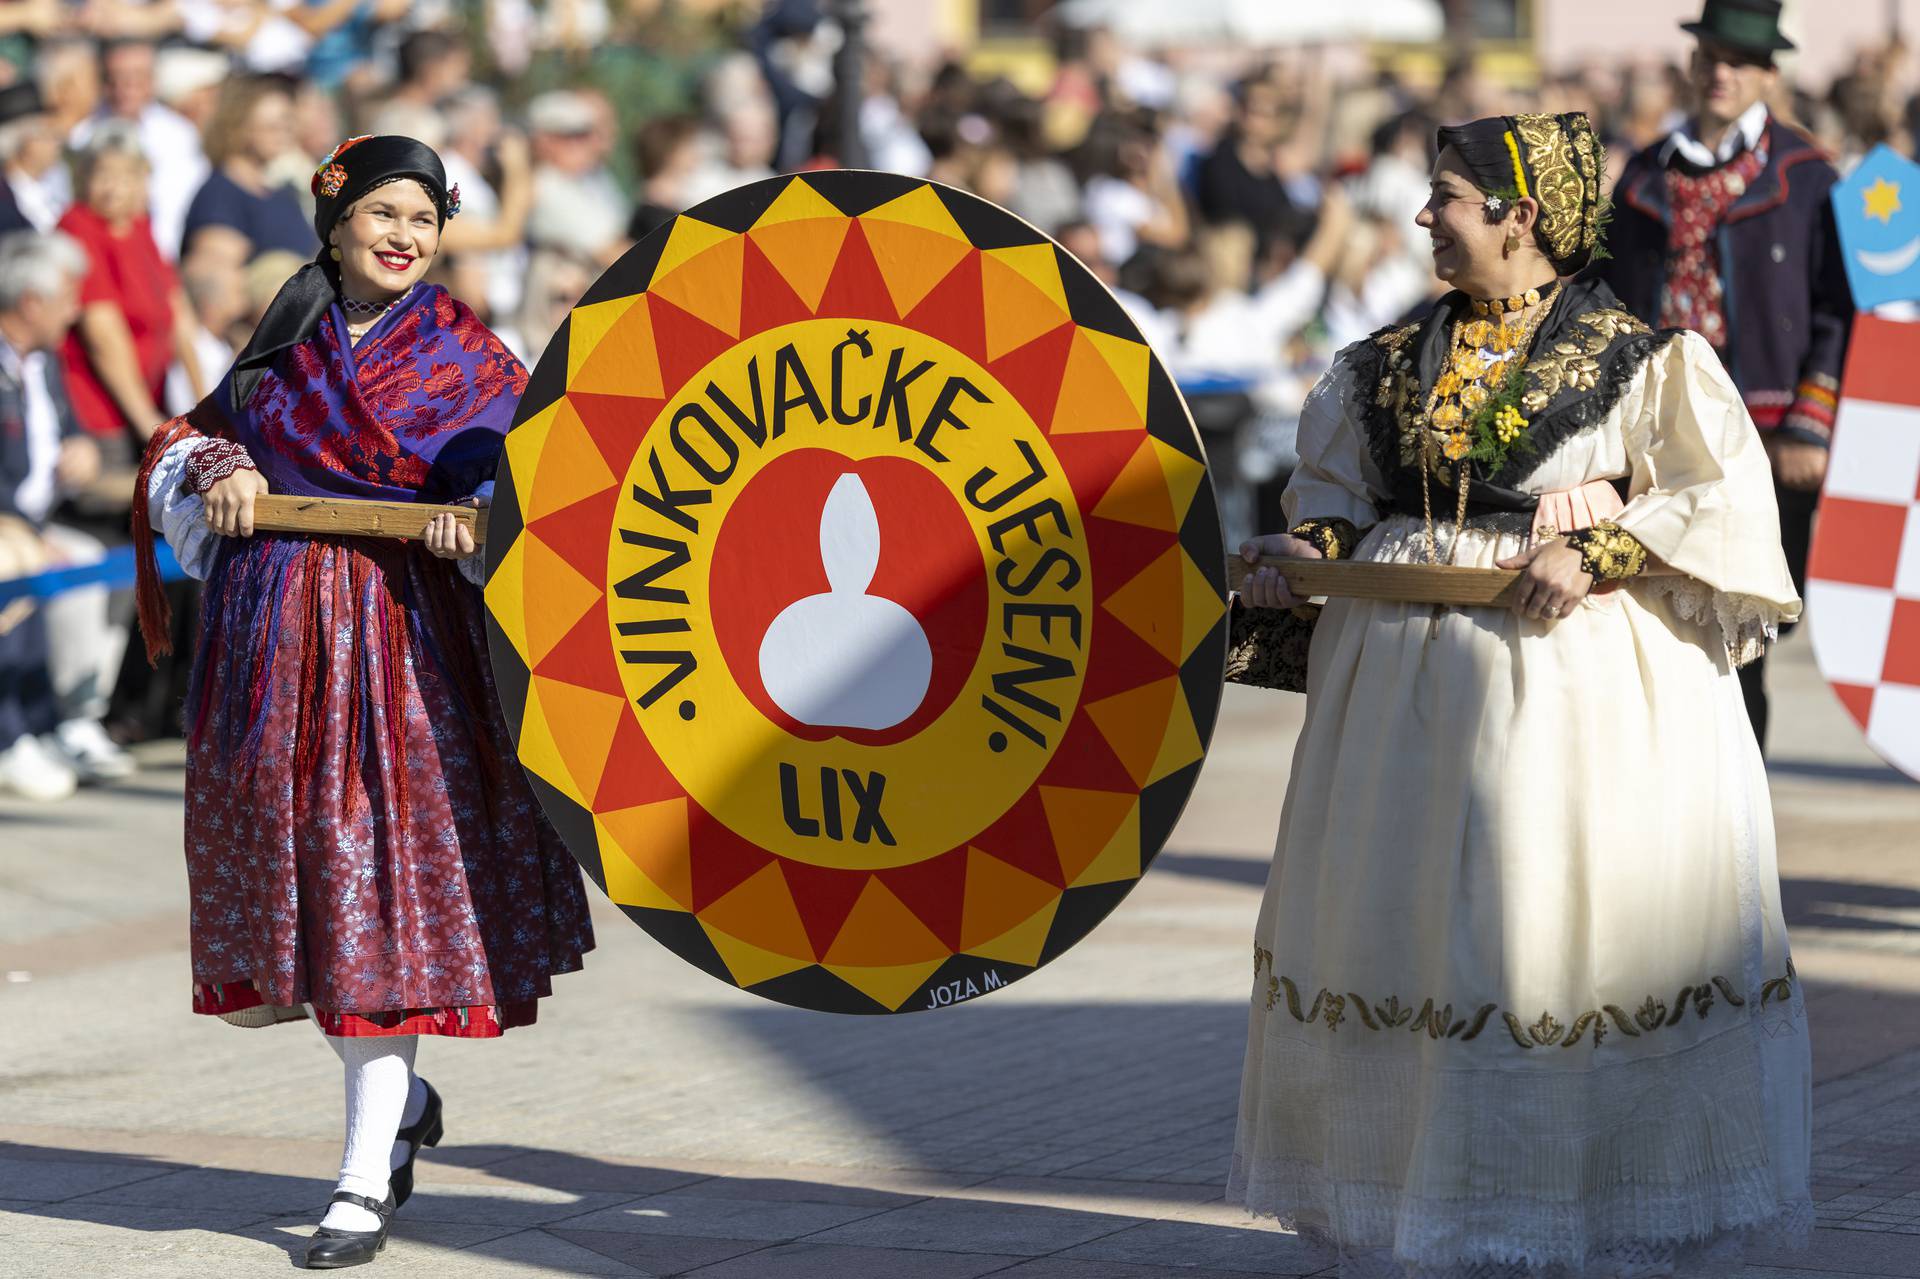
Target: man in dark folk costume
1725,227
362,846
1523,1006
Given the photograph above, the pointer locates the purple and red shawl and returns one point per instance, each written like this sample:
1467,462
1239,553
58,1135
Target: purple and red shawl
360,835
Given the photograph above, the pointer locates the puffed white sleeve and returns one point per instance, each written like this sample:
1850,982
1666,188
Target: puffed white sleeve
1702,501
177,512
1336,478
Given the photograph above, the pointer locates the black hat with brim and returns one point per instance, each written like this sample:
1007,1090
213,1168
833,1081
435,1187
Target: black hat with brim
1751,26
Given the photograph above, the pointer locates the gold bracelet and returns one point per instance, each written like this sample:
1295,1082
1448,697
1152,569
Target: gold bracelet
1335,538
1609,552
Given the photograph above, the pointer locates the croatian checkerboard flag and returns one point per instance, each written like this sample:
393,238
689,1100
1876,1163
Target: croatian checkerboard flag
1863,575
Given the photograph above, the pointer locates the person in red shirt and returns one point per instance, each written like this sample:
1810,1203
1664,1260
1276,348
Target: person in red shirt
134,319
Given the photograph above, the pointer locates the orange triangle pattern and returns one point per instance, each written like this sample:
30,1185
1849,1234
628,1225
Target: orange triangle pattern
688,239
1139,494
653,839
1017,311
587,326
590,718
803,252
1040,266
1130,361
881,932
624,361
1150,605
912,259
1022,944
1134,724
1120,859
1091,396
999,898
564,595
571,467
761,908
1082,822
708,285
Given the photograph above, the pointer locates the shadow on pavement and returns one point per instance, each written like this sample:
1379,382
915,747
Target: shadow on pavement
1839,904
1818,771
1123,1091
661,1221
1251,871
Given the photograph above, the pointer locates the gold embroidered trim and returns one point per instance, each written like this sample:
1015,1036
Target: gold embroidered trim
1547,1031
1569,365
1572,364
1609,552
1334,538
1566,165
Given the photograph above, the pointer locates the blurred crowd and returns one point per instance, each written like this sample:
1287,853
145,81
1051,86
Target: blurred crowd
1252,208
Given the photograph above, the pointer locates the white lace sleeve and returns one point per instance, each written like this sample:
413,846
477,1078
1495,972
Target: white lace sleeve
177,512
1747,624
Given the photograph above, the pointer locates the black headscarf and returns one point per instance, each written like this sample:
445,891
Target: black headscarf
1554,159
356,167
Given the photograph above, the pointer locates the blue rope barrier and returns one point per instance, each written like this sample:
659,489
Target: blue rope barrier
116,570
1217,384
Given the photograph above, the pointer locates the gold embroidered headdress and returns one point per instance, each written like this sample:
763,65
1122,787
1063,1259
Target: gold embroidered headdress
1554,159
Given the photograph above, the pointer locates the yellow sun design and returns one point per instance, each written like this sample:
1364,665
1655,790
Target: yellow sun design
1882,199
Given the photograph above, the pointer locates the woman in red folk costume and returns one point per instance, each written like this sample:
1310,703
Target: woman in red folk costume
362,847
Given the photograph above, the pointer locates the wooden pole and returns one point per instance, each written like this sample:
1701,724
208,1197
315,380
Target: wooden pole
1409,583
352,517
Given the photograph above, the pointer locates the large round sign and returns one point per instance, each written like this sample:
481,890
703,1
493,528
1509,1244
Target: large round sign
855,592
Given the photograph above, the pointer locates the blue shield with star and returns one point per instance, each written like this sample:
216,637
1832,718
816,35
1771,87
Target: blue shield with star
1878,208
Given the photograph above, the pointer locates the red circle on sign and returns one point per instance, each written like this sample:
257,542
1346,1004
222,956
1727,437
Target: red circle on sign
767,556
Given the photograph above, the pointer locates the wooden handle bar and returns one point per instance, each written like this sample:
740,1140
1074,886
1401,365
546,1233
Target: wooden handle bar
1411,583
352,517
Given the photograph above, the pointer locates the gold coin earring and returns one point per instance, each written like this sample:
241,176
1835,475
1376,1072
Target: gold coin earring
335,251
1512,245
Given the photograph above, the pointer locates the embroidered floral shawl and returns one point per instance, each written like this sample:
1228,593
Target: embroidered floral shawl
417,412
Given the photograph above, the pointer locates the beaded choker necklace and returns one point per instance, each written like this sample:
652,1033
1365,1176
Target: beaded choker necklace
1503,306
354,306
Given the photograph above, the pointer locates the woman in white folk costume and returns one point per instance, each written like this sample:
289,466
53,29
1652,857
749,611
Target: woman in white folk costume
1523,1004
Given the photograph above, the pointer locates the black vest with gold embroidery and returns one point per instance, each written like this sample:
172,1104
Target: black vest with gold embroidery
1584,358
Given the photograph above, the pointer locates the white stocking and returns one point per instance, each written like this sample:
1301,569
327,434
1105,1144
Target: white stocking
380,1080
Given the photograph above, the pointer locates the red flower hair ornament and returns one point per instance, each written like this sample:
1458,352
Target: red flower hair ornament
330,177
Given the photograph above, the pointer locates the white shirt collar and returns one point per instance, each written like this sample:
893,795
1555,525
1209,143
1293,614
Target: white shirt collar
1743,136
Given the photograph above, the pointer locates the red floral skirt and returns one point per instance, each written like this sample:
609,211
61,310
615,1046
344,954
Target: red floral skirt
233,1003
360,835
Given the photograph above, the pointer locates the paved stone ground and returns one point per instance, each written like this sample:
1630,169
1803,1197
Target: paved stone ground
1074,1126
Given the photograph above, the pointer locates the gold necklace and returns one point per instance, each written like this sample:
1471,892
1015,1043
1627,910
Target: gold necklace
1519,302
1459,392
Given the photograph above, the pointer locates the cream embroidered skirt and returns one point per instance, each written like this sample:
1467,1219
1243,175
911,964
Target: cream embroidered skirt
1522,1000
